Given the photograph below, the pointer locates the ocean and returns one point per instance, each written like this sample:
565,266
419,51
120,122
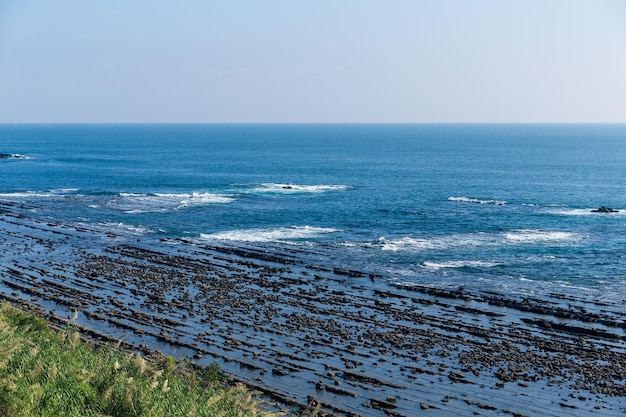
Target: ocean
372,267
483,206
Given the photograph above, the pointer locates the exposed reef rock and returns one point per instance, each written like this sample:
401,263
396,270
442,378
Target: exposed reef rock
604,209
308,334
10,155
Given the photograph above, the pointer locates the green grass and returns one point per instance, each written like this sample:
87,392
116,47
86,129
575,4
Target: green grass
47,373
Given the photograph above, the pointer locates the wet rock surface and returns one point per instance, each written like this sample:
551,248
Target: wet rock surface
300,331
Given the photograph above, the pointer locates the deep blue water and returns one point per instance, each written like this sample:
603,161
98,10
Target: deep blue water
505,206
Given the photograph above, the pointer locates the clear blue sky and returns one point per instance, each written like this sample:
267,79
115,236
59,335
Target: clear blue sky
313,61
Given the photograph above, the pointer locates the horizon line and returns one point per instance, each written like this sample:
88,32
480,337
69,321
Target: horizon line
310,123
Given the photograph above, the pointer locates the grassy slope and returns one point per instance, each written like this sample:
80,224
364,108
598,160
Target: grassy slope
46,373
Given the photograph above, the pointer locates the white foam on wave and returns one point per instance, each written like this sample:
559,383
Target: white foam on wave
582,212
473,240
199,199
47,194
295,188
459,264
65,190
477,200
127,228
538,236
129,203
279,234
408,244
569,285
412,244
135,203
29,194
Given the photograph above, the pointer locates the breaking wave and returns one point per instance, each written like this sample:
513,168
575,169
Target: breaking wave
477,201
279,234
280,188
126,228
473,240
130,203
47,194
459,264
28,194
537,236
580,212
133,203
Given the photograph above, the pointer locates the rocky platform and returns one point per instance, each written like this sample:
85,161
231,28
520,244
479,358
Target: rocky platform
302,332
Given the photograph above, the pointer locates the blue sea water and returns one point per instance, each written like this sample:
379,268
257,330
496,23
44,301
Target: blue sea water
480,206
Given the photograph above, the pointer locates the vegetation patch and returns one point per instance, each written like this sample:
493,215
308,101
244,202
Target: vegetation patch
47,373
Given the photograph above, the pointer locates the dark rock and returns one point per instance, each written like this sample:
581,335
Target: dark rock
381,404
604,209
10,155
339,391
458,377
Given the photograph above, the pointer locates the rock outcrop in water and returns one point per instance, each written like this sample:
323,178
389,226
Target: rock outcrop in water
604,209
10,155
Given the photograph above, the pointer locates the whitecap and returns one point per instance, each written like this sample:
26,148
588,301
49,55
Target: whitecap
569,285
127,228
295,188
476,240
580,212
49,194
135,203
477,200
64,190
279,234
199,199
459,264
413,244
29,194
139,211
408,244
538,236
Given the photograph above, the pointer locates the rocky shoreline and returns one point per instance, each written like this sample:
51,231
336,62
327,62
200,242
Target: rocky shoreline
301,331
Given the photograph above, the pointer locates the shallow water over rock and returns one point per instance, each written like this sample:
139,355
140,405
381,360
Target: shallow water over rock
293,324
